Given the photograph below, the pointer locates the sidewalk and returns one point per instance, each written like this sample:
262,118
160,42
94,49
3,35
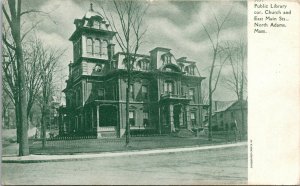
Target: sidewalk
55,158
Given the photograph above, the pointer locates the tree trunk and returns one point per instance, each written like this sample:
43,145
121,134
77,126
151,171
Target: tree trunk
210,94
15,23
127,109
23,148
18,123
210,115
241,101
43,127
243,115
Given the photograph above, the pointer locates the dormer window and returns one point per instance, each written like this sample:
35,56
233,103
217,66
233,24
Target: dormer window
166,58
96,24
186,69
192,70
180,65
143,64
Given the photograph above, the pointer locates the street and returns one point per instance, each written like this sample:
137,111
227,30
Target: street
215,166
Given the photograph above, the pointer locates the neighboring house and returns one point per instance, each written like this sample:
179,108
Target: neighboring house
164,93
227,115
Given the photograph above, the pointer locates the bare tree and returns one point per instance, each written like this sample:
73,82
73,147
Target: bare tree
216,51
237,80
6,106
32,76
130,15
14,21
9,83
46,64
13,13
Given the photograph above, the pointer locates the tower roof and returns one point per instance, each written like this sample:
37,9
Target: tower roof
91,13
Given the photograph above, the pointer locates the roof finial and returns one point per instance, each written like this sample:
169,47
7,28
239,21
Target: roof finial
91,8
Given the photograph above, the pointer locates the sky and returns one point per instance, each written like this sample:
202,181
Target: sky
170,24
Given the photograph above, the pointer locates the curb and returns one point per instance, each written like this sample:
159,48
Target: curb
77,157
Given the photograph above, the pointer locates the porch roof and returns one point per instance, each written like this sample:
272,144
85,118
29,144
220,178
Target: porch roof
174,98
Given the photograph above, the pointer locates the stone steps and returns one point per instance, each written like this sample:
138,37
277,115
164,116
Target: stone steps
108,134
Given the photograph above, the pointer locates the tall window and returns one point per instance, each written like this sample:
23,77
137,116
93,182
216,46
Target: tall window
145,91
114,92
76,99
97,47
131,118
131,91
145,118
89,45
77,48
193,118
168,87
101,94
79,96
192,93
104,48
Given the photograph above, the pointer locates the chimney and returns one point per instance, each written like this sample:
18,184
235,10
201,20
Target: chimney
111,51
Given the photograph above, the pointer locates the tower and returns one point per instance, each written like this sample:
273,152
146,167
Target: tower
92,41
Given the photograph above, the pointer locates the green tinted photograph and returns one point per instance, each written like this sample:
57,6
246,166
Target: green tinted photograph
123,92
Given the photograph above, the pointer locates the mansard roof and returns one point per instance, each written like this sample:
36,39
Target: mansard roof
88,20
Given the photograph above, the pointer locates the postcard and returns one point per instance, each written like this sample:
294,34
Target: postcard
150,92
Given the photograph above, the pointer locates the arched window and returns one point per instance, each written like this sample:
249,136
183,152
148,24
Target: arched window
104,48
169,87
89,46
97,47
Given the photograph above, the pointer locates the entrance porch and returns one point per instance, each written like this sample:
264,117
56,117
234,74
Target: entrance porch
101,119
174,112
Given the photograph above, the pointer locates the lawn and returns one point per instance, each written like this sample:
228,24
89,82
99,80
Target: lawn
117,144
10,135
